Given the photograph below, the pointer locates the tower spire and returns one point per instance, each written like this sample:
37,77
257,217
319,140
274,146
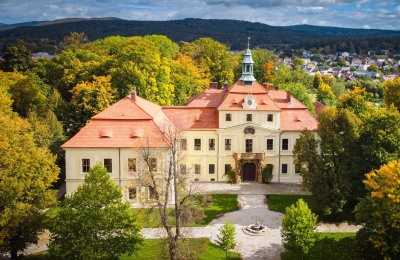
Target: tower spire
247,67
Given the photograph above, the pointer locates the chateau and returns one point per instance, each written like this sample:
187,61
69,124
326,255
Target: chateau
245,126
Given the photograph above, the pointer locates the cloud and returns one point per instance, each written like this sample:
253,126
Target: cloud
340,13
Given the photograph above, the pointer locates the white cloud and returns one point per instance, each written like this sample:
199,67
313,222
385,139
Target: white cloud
340,13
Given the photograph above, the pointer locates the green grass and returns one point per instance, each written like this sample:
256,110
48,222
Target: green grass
200,248
279,203
329,246
194,248
221,203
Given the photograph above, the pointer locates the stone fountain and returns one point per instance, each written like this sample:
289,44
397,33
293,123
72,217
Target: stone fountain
256,229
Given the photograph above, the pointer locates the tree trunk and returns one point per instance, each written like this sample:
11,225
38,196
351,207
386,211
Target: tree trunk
14,254
173,249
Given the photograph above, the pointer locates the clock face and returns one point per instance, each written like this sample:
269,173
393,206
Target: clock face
249,102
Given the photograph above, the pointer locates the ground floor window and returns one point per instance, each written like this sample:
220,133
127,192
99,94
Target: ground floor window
211,168
197,169
284,168
132,193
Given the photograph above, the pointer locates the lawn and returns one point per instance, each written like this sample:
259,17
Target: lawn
194,248
329,246
221,203
279,203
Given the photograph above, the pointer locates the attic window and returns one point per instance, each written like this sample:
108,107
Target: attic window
297,119
136,134
264,101
236,101
105,134
197,118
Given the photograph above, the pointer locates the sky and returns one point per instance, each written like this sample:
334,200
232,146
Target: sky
366,14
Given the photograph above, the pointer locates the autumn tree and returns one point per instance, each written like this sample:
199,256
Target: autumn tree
317,81
379,211
356,100
27,173
89,99
299,228
326,160
188,79
170,189
74,40
213,57
269,68
226,237
93,222
392,92
325,95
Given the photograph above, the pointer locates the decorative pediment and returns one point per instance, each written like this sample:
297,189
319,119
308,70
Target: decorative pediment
249,102
249,130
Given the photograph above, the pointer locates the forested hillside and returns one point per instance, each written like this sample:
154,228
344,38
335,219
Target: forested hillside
46,36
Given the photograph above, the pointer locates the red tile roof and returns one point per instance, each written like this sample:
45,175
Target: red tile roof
207,98
138,122
297,120
188,118
280,99
117,133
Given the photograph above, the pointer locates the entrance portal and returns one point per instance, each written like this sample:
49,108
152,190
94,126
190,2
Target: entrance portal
249,172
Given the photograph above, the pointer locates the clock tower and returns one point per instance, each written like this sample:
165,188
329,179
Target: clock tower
247,68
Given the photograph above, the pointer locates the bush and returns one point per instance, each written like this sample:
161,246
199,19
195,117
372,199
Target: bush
267,174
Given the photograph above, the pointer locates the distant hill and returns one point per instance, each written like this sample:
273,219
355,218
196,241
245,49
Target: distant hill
328,32
233,33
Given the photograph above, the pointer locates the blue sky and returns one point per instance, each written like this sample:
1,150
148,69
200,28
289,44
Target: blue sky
340,13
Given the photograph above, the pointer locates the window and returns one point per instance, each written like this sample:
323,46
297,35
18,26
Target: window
249,117
228,117
285,144
228,167
270,144
197,169
108,164
249,145
152,194
211,144
132,164
132,193
153,164
211,168
270,117
227,144
182,169
85,165
284,168
197,144
297,168
183,144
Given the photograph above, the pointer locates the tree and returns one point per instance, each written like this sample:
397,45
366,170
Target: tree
74,40
269,69
380,211
169,188
299,226
89,99
17,57
325,95
392,92
297,63
26,173
317,81
327,161
356,100
94,223
226,237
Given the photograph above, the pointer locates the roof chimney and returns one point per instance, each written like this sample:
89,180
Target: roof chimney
213,85
133,94
225,84
288,96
